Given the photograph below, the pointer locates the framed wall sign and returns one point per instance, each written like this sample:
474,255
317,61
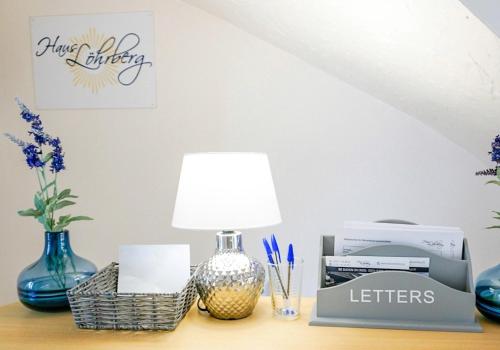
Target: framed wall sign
94,61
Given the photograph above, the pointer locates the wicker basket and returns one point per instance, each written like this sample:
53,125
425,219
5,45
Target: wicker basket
95,304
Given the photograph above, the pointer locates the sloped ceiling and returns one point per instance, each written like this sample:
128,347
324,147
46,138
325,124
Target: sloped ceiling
488,11
434,60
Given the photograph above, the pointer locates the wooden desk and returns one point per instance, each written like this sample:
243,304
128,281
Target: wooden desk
21,328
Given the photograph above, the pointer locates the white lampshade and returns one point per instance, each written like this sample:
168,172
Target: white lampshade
225,191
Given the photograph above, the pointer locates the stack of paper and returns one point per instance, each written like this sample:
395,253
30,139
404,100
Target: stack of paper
340,269
441,240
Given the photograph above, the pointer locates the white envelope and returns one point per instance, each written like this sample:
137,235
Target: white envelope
153,268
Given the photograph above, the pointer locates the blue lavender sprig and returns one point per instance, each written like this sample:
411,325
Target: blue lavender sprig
15,140
495,157
32,154
487,172
26,113
31,151
495,149
57,163
41,138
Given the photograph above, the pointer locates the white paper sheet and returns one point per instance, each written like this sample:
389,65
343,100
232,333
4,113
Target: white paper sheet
441,240
153,268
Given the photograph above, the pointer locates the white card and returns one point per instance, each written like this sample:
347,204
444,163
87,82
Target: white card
153,268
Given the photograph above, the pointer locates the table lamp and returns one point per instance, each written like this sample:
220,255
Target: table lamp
227,192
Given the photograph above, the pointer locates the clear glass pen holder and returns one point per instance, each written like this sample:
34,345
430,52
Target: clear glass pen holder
285,284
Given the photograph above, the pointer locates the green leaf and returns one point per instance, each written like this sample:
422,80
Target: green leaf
59,227
51,200
495,226
49,205
64,194
29,212
39,204
62,222
41,219
63,204
496,212
79,218
496,182
63,218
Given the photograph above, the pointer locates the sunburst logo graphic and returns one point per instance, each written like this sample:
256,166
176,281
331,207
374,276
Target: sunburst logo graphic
90,73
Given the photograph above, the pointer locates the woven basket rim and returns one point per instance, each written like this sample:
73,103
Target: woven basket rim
76,290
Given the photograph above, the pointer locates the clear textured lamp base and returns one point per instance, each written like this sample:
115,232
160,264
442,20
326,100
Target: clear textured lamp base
230,282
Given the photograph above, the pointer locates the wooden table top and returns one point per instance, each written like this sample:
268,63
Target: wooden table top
21,328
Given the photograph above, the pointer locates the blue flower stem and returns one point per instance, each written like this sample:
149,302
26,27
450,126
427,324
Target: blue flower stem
55,184
58,266
39,181
47,195
55,194
72,263
44,178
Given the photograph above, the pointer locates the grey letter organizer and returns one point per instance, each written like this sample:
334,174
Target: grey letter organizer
444,301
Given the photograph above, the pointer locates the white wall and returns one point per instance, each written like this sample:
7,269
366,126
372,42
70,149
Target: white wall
336,152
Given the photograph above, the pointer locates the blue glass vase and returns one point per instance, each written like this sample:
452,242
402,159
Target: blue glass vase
42,285
488,293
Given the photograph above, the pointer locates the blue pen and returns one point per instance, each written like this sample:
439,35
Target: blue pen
269,253
290,258
291,262
276,249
